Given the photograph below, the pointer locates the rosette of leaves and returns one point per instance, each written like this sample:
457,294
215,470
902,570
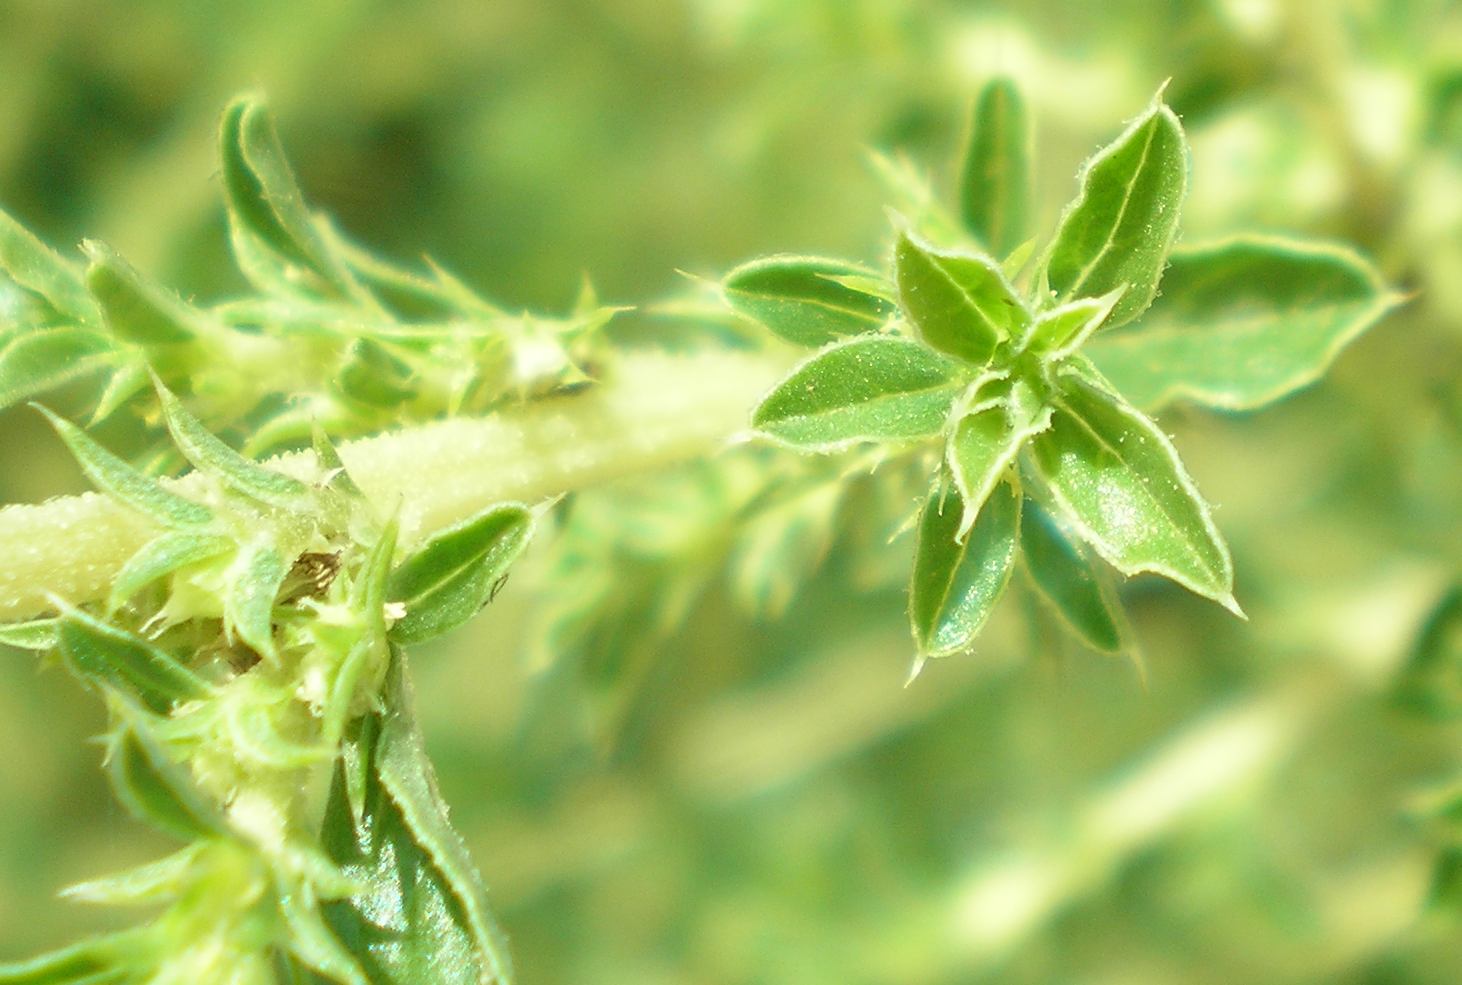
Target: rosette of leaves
329,334
250,656
1031,382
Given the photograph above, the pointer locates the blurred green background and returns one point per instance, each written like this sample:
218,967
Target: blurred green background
1277,801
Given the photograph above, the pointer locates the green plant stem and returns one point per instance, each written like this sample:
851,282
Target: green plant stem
651,411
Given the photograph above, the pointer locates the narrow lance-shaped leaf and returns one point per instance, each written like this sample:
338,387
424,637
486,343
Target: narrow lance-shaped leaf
1117,479
35,634
35,361
1064,575
995,180
121,481
1119,230
987,440
107,654
38,268
359,675
960,303
96,961
1059,332
134,308
161,556
451,577
254,581
210,455
806,300
151,785
1244,322
867,389
126,382
957,583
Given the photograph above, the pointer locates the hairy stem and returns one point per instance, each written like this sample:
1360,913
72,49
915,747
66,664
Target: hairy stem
651,411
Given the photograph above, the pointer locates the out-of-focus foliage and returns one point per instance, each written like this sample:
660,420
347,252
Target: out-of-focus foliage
715,775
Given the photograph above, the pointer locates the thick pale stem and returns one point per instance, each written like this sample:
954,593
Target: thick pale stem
654,410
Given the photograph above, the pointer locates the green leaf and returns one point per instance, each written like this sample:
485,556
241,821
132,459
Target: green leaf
370,654
126,382
313,942
124,483
151,785
1061,331
37,634
867,389
328,457
161,556
95,961
373,375
451,577
423,914
134,308
987,440
1431,680
210,455
780,547
36,267
995,180
1064,576
35,361
804,300
1117,479
1118,231
152,882
956,582
254,580
106,654
960,303
1244,322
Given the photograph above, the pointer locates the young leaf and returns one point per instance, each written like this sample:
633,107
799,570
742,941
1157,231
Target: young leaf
107,654
313,942
1116,478
995,181
95,961
36,634
1118,231
451,577
1061,331
212,456
328,457
373,375
35,361
255,577
124,483
36,267
867,389
1063,575
957,583
1244,322
804,299
152,882
134,308
961,303
151,785
422,915
162,556
127,380
986,440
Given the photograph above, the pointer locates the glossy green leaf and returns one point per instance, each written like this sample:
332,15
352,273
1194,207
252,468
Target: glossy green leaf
1063,574
38,360
1117,479
867,389
806,300
35,634
1244,322
956,582
151,785
38,268
960,303
995,179
107,654
122,482
987,440
1062,330
135,308
161,556
1119,230
254,580
451,577
423,914
210,455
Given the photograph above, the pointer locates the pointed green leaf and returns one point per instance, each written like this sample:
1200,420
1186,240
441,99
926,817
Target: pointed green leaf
867,389
1119,230
1064,576
209,454
995,180
957,583
95,961
987,440
105,653
1117,479
161,556
373,375
1062,330
151,785
35,361
423,914
121,481
135,308
37,634
314,943
254,580
805,299
370,654
153,882
36,267
960,303
126,382
1244,322
450,578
